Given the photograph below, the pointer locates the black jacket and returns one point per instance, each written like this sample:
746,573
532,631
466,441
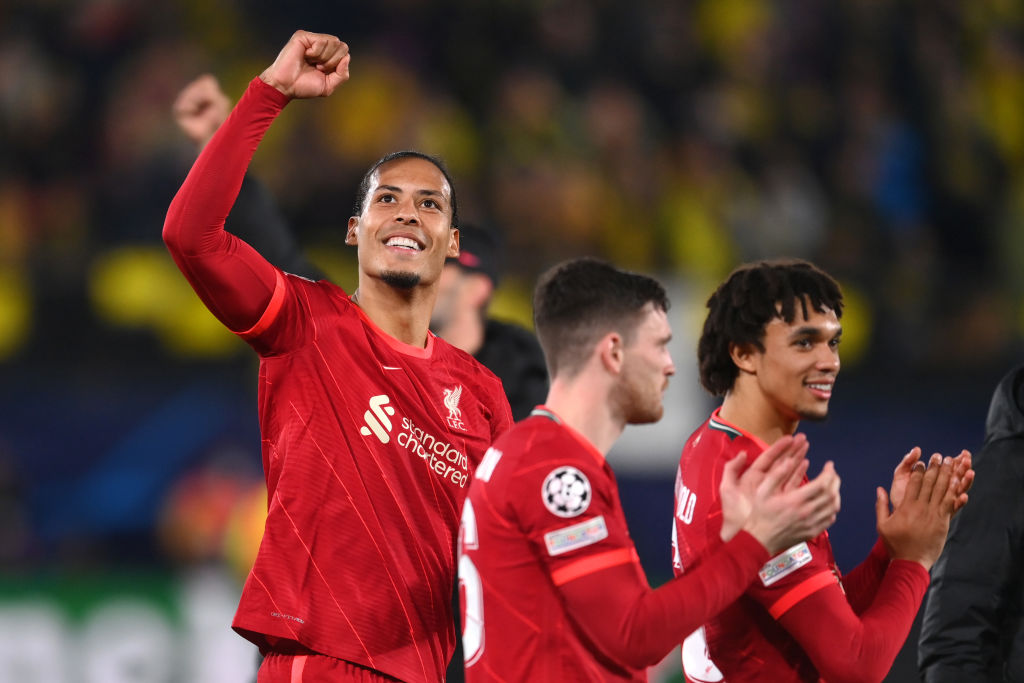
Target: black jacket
513,354
973,628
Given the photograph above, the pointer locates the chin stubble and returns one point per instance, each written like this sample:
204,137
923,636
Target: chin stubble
400,280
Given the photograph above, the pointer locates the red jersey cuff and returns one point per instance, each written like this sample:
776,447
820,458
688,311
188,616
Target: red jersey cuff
264,92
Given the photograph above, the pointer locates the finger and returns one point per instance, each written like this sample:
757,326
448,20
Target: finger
931,475
826,488
779,473
767,459
907,463
943,489
833,479
915,482
788,472
731,471
882,503
321,48
797,477
339,76
966,482
963,467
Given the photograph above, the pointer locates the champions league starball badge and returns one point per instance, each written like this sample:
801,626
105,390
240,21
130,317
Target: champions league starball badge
566,492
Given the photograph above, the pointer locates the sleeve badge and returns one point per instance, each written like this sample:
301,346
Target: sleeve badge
566,492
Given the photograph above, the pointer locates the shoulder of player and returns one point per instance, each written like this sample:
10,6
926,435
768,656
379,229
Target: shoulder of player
715,436
464,366
537,444
318,292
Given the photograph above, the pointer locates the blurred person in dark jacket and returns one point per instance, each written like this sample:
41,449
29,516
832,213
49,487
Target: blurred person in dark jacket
461,318
973,628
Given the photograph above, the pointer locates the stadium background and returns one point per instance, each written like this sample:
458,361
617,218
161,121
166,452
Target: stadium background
882,139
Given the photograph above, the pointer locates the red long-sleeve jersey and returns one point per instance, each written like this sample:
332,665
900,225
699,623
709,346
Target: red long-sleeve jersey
552,589
800,620
368,443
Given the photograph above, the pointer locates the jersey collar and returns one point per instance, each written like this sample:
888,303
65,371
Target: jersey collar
716,422
399,346
544,411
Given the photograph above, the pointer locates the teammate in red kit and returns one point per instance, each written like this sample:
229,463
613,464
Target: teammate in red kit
551,584
371,426
770,346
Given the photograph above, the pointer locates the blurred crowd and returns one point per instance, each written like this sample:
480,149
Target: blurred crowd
882,139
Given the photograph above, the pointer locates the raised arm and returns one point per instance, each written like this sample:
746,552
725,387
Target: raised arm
845,646
200,109
862,582
231,278
639,626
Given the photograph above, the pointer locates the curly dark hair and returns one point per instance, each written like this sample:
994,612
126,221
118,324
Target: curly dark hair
577,302
743,305
364,184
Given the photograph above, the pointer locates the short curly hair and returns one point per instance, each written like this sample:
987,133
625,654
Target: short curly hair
743,305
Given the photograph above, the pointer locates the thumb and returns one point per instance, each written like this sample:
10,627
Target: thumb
338,76
881,505
731,471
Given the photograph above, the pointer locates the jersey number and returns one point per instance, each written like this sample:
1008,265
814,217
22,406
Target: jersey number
471,589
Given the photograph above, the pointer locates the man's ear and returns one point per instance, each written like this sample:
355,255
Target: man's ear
352,235
453,243
612,352
743,355
479,289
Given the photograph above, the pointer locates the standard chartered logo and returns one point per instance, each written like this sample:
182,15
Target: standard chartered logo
441,457
378,418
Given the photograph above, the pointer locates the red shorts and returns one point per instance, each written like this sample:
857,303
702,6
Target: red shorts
314,668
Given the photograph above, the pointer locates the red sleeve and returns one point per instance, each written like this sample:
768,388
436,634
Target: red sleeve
231,278
636,625
863,581
845,647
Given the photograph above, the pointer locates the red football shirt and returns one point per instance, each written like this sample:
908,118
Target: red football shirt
551,586
796,621
368,443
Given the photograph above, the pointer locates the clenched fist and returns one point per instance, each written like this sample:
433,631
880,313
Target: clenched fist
309,65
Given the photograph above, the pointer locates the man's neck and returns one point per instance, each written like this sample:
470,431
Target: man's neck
585,407
755,415
400,313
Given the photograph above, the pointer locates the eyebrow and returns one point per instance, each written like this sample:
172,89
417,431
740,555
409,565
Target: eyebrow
813,331
426,192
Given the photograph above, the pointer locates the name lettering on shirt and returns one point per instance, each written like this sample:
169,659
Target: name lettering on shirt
785,563
487,465
576,536
686,501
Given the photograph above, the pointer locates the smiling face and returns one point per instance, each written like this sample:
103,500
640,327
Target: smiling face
796,371
647,365
405,232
